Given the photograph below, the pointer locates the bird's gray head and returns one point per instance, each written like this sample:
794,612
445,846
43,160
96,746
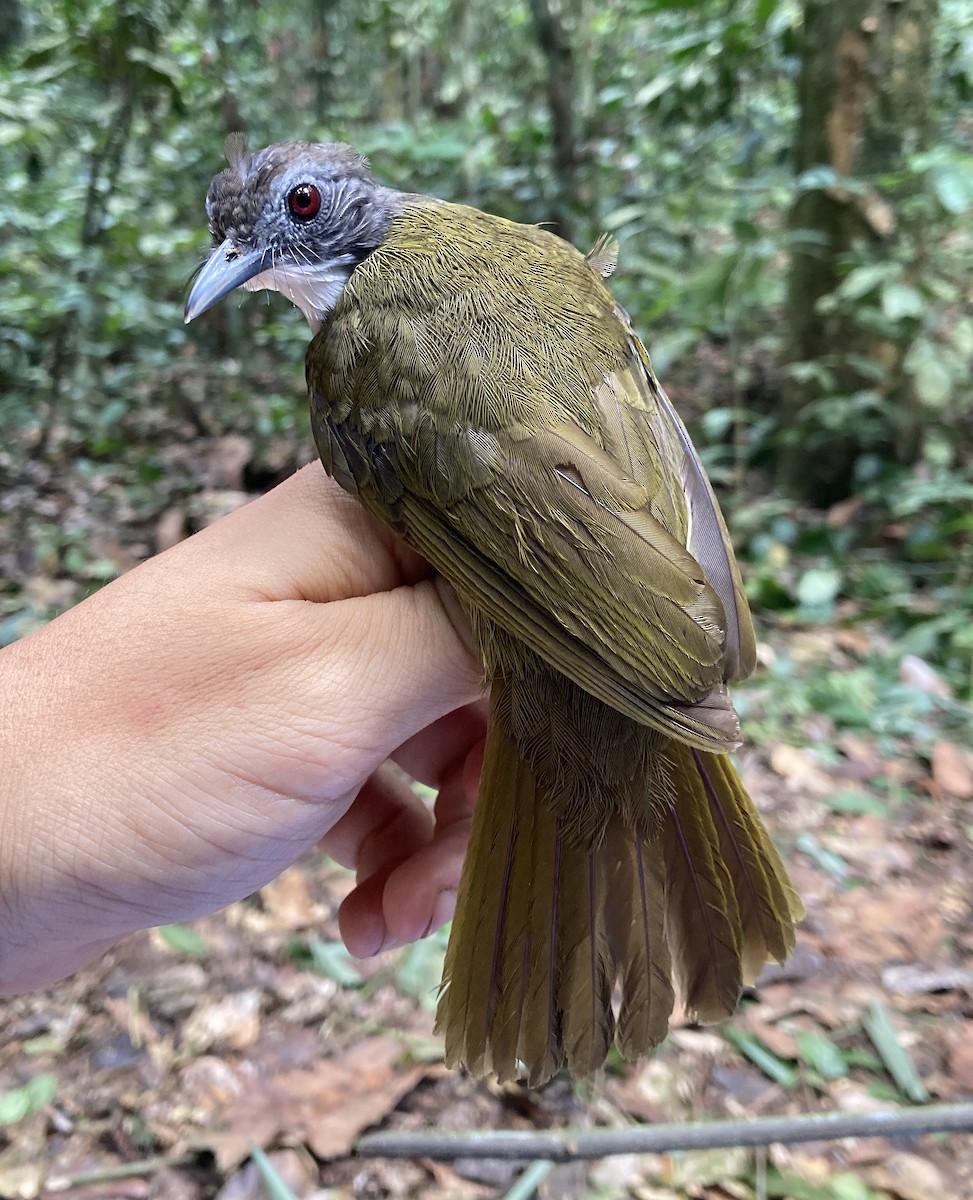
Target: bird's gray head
296,218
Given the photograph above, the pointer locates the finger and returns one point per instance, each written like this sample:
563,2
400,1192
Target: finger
386,823
407,899
306,539
420,893
431,755
348,685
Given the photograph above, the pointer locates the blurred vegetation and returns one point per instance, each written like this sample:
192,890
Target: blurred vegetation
681,127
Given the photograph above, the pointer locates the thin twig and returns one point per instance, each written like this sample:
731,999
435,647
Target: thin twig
527,1185
569,1145
129,1170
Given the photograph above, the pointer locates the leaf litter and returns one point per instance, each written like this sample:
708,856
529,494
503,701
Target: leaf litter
158,1070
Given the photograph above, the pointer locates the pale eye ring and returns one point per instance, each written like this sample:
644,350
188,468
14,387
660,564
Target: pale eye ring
304,201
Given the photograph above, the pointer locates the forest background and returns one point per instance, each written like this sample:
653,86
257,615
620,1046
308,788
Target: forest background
791,185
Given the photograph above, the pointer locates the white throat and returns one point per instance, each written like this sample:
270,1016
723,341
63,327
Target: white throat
314,287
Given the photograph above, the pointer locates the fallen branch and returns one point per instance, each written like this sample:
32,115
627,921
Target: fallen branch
568,1145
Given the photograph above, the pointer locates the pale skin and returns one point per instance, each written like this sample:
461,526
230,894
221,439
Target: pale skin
179,738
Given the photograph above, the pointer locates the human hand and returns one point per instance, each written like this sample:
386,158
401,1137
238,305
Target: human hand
175,741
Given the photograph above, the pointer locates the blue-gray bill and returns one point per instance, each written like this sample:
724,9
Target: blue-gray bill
225,269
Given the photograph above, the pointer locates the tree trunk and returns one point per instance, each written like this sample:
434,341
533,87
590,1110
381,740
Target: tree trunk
555,43
863,93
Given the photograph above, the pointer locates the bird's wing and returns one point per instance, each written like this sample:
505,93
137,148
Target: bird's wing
483,393
578,548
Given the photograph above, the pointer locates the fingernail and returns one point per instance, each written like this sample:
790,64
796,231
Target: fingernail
442,911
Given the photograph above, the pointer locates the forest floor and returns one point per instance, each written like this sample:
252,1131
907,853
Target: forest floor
157,1071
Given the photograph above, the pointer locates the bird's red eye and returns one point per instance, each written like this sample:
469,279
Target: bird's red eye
304,201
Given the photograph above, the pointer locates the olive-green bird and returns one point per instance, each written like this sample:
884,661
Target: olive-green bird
475,384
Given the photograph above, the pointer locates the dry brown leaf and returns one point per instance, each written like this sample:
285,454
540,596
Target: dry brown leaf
951,770
701,1168
170,528
814,1169
23,1165
209,1084
877,211
778,1040
703,1043
211,504
233,1022
798,768
224,461
899,920
908,1177
131,1020
961,1057
874,856
917,673
288,899
844,512
618,1173
850,1096
326,1105
295,1167
919,979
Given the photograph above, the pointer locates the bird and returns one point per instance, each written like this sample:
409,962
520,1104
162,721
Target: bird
474,382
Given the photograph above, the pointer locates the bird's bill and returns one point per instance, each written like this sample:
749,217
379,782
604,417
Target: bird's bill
227,268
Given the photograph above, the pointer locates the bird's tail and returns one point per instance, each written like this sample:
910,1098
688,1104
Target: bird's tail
551,926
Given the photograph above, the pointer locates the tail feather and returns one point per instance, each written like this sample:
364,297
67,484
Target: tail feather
702,914
517,941
635,928
540,1044
672,876
769,906
476,959
588,968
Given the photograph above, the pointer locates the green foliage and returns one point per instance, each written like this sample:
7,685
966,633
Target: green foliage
910,306
22,1102
184,940
329,959
844,1186
683,117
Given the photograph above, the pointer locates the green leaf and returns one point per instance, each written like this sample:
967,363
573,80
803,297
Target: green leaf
763,11
853,804
20,1102
901,300
41,1089
878,1025
670,347
420,968
953,186
783,1185
761,1056
821,1054
935,385
862,280
818,587
332,960
658,87
625,216
963,336
930,375
850,1187
14,1105
184,940
827,860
